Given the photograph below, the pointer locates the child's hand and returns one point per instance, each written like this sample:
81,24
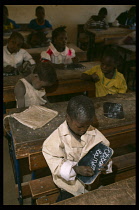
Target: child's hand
75,60
84,170
95,77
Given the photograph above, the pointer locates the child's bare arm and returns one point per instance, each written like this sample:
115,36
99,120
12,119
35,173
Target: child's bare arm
19,92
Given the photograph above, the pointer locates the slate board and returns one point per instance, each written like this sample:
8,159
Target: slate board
95,158
113,110
75,66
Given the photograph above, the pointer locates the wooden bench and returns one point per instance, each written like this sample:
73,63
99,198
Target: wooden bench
44,189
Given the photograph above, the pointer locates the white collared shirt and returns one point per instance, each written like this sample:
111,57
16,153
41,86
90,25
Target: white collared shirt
16,59
62,152
56,57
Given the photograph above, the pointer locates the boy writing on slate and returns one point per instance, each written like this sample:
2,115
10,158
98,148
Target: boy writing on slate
71,141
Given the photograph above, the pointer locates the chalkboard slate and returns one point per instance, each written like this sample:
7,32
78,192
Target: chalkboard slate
74,66
113,110
95,158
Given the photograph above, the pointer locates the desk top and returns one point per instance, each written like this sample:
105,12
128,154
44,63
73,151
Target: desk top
110,31
118,193
27,140
129,48
10,81
24,34
38,50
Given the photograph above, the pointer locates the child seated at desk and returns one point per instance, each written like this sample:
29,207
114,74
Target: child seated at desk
71,141
30,90
8,24
127,19
37,39
40,24
97,21
14,56
58,53
106,76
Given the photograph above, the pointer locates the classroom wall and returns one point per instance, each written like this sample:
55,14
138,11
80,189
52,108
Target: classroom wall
69,15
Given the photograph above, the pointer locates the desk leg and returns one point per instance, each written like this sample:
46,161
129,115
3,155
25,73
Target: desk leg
91,47
17,174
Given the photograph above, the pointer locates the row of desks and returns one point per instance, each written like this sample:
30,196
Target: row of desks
68,82
26,141
96,36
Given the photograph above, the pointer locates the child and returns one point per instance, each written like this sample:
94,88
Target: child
98,21
40,24
69,143
8,24
14,55
106,77
37,39
58,53
29,90
128,18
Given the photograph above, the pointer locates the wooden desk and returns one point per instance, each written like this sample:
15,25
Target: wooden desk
35,52
25,33
6,36
118,193
96,36
128,50
69,82
26,141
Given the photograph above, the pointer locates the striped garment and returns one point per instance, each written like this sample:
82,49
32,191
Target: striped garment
91,23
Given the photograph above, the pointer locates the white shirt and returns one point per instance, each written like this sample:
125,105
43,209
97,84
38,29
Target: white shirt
56,57
16,59
33,96
62,152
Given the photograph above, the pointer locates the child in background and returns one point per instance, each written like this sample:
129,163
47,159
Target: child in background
58,53
8,24
106,76
71,141
37,39
97,21
30,90
14,56
40,24
128,18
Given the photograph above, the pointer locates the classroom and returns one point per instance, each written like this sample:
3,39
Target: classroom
69,104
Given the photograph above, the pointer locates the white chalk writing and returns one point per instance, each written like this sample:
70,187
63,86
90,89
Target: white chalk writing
100,158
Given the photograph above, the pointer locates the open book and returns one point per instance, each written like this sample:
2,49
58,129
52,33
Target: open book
95,158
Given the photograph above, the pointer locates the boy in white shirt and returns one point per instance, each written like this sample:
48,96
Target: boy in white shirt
13,54
58,53
71,141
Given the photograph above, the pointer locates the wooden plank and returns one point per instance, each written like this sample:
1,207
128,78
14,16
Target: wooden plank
26,193
118,193
36,161
46,200
43,186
